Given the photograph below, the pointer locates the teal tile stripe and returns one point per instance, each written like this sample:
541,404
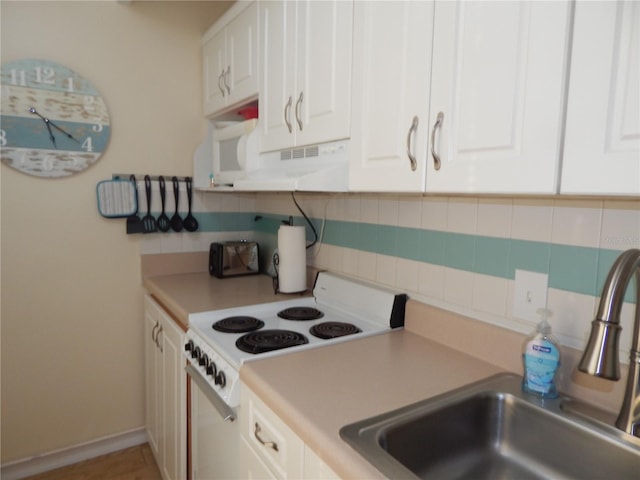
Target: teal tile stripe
570,268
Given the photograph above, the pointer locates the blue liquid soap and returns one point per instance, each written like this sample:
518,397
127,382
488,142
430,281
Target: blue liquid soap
541,358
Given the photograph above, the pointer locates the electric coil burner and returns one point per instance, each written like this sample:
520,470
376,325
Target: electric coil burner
263,341
300,313
238,324
329,330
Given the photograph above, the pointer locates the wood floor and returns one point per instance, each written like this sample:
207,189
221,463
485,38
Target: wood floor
135,463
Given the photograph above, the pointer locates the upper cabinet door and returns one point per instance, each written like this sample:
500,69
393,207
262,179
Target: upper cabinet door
602,141
230,59
499,70
242,55
277,64
213,66
391,78
305,63
322,107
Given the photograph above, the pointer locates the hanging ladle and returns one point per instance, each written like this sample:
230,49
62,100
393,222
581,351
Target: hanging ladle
189,222
176,221
163,219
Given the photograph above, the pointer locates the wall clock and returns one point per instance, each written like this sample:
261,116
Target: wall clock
53,122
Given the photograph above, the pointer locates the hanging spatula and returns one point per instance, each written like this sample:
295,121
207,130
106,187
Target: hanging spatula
148,220
134,224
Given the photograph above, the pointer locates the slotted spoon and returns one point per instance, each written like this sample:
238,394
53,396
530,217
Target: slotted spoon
148,221
163,219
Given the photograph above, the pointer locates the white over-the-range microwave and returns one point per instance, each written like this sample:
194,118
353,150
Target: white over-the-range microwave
230,158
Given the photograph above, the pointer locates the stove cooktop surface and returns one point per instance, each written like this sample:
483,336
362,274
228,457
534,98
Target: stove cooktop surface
287,334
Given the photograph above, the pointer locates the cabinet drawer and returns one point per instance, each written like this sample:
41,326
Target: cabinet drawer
270,439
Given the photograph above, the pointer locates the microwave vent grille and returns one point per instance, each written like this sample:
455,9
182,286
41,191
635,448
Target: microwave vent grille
302,152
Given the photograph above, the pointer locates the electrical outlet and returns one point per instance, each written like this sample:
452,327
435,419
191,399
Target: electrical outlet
530,294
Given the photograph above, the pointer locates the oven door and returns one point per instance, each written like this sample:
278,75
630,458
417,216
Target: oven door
215,433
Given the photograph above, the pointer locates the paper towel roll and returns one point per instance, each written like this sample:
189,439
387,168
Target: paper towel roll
292,268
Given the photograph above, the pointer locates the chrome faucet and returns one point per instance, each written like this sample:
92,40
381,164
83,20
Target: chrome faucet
600,357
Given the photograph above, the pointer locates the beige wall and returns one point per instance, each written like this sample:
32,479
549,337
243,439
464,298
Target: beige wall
72,364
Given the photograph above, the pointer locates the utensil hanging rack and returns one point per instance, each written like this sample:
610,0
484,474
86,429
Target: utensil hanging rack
140,177
133,209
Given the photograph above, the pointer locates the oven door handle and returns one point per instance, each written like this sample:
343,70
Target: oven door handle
225,411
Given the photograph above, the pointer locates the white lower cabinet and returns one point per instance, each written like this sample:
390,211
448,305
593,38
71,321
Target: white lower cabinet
315,468
270,449
166,393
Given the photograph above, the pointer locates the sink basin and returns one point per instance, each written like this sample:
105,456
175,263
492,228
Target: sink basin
491,430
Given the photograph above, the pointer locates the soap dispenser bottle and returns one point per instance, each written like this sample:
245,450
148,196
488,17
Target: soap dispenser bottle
541,357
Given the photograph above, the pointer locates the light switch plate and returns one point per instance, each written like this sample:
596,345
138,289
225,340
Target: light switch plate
530,294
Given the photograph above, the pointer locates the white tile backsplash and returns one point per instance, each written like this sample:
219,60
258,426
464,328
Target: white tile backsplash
367,265
532,219
407,274
577,222
620,225
490,294
431,281
434,213
458,287
368,209
388,211
386,270
609,224
494,217
409,212
462,215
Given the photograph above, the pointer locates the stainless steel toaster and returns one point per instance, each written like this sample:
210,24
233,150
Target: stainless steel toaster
230,259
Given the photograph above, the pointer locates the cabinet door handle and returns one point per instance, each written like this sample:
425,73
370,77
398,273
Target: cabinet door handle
410,135
158,339
153,332
220,83
226,79
287,112
256,433
298,105
434,154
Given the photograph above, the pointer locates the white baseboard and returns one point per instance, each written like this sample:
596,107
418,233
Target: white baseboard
67,456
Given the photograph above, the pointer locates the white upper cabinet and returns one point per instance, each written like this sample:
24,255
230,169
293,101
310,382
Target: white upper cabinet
602,141
499,70
305,65
391,77
230,59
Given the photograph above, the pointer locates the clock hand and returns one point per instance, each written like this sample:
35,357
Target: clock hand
49,122
53,139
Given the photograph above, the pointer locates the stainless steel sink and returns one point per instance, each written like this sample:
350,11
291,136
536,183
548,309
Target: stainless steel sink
491,430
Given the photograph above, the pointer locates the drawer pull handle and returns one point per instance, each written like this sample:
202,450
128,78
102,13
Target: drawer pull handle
256,433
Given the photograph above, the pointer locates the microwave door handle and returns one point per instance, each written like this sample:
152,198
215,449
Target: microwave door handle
225,411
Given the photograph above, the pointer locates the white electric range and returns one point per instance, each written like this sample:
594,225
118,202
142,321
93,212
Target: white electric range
219,342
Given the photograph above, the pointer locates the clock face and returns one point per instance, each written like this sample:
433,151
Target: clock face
53,121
